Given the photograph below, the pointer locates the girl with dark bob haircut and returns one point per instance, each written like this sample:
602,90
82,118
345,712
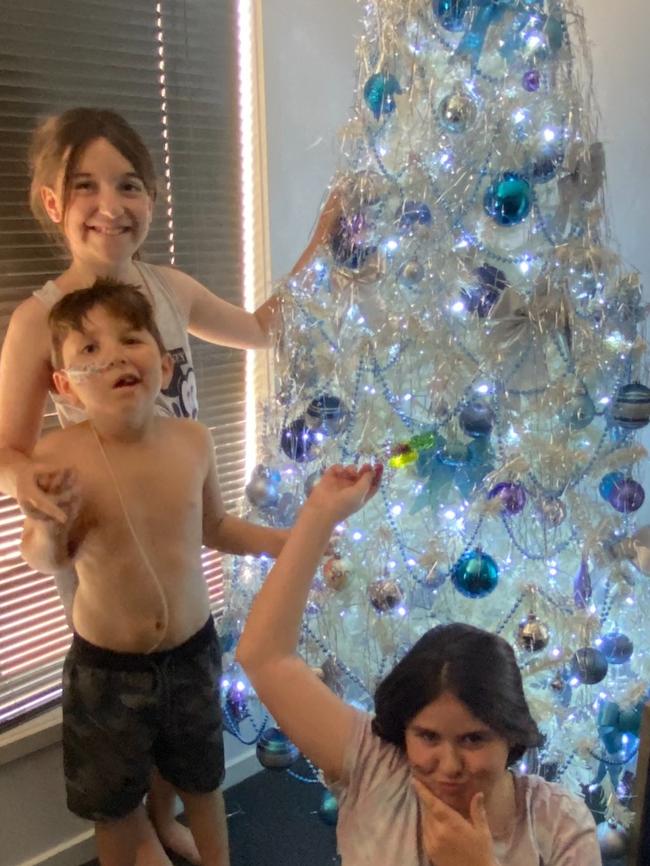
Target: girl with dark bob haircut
478,667
427,780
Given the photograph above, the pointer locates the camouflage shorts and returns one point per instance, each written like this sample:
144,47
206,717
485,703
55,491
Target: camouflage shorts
123,713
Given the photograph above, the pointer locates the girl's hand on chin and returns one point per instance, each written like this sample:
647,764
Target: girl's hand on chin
448,838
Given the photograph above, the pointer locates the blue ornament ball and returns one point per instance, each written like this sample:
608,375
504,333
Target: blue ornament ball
328,811
476,418
508,199
589,665
617,648
451,13
347,249
298,441
327,413
608,484
379,93
631,409
413,213
475,574
275,751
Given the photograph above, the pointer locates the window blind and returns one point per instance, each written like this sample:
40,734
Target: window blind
171,69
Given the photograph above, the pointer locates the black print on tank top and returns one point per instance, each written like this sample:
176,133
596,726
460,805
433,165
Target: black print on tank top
182,388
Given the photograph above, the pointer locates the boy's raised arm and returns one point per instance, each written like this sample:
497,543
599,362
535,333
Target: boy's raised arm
317,721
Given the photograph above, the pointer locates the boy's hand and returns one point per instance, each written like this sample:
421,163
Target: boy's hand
60,496
342,490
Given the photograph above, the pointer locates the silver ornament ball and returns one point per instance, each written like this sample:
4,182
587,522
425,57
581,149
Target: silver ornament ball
457,111
385,594
551,511
262,492
532,634
410,274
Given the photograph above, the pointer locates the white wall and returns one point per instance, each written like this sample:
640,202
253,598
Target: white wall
310,75
309,68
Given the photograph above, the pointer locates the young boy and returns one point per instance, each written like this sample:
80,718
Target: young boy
140,495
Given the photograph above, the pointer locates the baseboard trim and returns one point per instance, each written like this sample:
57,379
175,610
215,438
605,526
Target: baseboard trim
73,852
80,849
241,767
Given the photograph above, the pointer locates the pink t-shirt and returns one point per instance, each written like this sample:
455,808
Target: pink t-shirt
379,823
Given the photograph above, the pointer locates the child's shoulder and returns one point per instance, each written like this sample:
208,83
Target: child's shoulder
62,440
29,314
186,428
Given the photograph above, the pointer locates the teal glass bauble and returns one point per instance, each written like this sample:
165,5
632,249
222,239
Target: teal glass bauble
379,92
451,13
508,199
475,574
328,811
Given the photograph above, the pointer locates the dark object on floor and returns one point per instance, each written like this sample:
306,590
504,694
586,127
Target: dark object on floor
273,821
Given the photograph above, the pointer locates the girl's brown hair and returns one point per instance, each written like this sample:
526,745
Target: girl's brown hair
57,144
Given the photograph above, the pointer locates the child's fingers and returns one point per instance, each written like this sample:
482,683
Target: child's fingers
43,480
42,508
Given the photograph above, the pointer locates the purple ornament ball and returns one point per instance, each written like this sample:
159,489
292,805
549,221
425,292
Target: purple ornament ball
531,80
627,496
512,496
298,440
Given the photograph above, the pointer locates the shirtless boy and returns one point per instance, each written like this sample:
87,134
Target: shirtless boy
140,495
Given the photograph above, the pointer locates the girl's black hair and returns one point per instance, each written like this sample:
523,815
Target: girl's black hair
477,667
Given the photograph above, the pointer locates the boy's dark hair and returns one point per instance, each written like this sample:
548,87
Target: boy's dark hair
477,667
122,300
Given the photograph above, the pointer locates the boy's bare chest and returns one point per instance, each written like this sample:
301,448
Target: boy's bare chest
159,488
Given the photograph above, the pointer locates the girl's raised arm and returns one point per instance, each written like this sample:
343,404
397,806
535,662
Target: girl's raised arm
24,382
218,321
312,716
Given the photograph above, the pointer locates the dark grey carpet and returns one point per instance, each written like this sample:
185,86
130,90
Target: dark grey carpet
273,821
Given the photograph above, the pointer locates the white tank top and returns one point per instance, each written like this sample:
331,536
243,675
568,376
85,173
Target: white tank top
180,398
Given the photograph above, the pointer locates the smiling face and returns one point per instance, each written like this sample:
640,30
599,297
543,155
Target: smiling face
111,368
108,210
455,754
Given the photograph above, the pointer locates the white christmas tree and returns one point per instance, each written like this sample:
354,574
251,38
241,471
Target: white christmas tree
469,325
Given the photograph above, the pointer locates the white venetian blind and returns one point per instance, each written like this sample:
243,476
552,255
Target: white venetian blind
171,69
